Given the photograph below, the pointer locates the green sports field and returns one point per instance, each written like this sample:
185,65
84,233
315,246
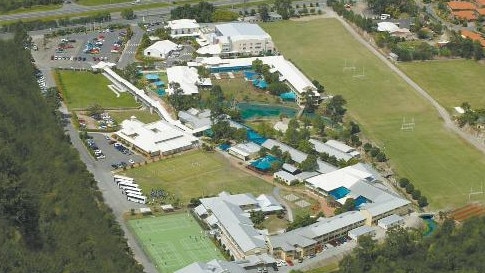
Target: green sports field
83,89
174,241
195,174
439,163
450,82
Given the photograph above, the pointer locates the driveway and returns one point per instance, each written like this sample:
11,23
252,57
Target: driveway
111,194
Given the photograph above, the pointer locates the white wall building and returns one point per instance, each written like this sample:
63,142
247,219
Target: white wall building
187,78
160,49
245,151
242,39
289,73
156,138
184,28
230,214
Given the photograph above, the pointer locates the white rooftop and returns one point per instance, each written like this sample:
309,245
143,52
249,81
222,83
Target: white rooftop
213,266
246,149
340,146
288,71
163,47
239,31
389,220
156,136
345,177
187,77
183,24
210,50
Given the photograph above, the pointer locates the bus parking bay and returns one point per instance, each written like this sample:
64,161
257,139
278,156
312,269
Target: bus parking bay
113,156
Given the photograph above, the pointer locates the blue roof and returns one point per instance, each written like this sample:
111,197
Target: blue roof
159,83
288,96
339,192
152,77
359,201
224,146
255,137
264,163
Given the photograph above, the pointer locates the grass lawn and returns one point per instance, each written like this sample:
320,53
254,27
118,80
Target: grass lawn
275,224
326,269
100,2
242,90
33,9
439,163
196,173
82,89
142,115
450,82
174,241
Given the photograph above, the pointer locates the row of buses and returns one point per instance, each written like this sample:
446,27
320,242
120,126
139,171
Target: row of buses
130,189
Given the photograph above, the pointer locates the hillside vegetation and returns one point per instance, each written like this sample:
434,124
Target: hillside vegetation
52,215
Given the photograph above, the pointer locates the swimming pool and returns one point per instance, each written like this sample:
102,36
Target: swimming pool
254,110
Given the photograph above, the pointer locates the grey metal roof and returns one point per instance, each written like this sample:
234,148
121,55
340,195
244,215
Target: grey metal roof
324,167
226,208
324,148
195,118
383,207
213,266
200,210
356,232
296,155
391,219
305,175
241,29
290,168
285,175
340,146
334,223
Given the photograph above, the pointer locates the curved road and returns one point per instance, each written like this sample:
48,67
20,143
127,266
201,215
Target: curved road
441,111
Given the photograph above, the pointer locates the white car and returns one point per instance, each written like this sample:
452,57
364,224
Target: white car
131,161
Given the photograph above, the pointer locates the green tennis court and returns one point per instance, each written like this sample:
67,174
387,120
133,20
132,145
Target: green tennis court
174,241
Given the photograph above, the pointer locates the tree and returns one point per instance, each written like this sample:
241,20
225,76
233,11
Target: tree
276,151
367,147
257,66
283,7
422,201
240,135
319,125
277,88
409,188
335,108
416,194
381,157
403,182
349,205
95,110
309,164
263,11
128,14
306,146
222,15
286,157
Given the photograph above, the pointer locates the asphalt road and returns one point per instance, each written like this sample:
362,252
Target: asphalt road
111,193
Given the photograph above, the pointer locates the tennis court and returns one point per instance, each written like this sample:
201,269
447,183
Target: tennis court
174,241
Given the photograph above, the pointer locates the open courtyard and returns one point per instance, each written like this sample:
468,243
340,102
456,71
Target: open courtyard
174,241
196,173
439,163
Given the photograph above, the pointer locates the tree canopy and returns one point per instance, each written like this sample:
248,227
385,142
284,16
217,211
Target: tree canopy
450,249
53,216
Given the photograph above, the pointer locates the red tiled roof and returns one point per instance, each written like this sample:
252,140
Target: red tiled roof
480,3
481,11
461,5
468,15
473,35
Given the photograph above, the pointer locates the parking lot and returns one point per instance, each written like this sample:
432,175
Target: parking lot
78,51
112,155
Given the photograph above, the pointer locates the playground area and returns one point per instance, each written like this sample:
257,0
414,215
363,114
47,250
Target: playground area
174,241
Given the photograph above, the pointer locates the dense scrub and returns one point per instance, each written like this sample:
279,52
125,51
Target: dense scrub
52,215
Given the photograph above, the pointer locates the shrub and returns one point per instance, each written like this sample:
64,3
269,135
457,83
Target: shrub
403,182
416,194
423,201
374,151
367,147
409,188
381,157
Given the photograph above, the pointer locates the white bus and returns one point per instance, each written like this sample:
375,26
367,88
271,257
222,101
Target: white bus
131,191
118,181
117,176
136,198
125,186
